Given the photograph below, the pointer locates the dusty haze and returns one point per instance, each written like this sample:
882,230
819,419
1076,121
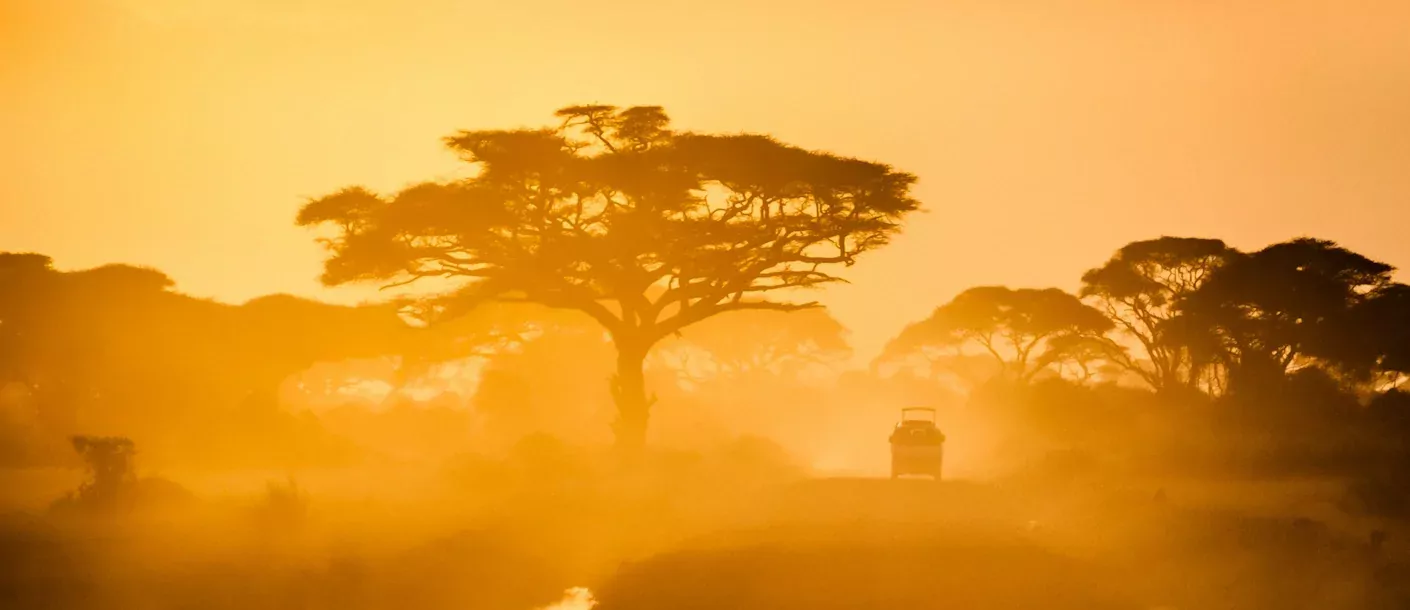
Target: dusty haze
554,305
183,134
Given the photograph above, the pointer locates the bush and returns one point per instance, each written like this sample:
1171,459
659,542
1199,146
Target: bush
111,475
284,508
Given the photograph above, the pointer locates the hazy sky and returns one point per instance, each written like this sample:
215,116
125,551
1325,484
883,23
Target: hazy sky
184,134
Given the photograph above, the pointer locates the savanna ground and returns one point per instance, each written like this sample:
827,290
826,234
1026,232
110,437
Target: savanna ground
738,525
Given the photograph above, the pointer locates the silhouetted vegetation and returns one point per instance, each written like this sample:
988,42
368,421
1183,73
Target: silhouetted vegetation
613,214
1139,289
1209,364
111,472
1024,330
449,449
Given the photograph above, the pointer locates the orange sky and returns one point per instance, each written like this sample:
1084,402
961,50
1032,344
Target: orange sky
183,134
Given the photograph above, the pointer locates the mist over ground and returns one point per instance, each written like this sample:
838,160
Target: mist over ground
598,379
163,451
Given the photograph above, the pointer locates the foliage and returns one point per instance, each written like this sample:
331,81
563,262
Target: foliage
549,383
1266,311
1025,330
645,229
765,342
111,474
1138,289
1372,340
1086,356
117,347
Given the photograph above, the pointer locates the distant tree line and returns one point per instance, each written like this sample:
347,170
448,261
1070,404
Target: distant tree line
118,351
611,245
1184,315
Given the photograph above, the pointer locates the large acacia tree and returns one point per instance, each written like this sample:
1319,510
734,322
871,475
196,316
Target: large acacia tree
612,213
1304,301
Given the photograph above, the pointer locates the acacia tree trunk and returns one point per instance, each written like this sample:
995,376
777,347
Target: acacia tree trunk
629,392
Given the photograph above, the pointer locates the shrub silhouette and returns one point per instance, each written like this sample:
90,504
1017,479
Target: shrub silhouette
284,508
111,473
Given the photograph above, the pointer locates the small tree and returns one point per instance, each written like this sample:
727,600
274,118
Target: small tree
645,229
111,471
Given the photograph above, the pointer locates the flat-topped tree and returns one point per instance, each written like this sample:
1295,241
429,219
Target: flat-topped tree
1026,330
611,213
1138,289
1292,303
762,342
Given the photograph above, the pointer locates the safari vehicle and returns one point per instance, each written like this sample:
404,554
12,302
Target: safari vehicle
917,445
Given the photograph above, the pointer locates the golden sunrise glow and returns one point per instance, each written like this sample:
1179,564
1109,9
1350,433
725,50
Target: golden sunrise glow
183,134
704,304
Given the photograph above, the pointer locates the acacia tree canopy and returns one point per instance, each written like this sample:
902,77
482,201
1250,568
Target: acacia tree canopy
1371,341
612,213
1017,327
767,341
1088,354
1138,288
1387,319
1290,300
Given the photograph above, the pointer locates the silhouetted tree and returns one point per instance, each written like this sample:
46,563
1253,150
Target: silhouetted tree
111,471
23,286
1138,289
1017,327
485,332
1372,342
83,339
551,382
430,357
281,335
1289,302
762,341
961,371
120,346
1392,306
612,213
1088,355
